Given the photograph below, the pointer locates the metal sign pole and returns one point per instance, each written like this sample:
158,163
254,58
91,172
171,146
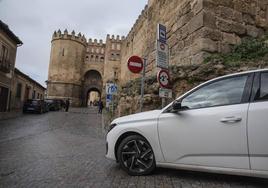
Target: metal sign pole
142,84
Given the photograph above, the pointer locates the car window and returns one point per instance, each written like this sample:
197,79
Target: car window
264,87
223,92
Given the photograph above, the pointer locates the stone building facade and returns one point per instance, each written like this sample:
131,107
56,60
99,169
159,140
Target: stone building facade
23,88
8,50
195,29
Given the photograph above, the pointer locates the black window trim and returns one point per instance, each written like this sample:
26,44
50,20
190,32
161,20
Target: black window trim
257,88
245,97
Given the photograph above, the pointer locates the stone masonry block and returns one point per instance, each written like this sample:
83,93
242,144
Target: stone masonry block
253,31
248,19
206,32
215,3
245,7
209,19
204,44
230,27
229,14
196,22
232,39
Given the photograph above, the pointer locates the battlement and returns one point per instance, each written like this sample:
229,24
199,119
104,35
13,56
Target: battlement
95,42
113,38
138,22
72,36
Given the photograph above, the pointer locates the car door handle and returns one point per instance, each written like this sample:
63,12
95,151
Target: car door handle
231,119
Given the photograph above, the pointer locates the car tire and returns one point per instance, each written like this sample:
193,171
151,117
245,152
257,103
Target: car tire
135,156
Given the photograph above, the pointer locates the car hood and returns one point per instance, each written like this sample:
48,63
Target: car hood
143,116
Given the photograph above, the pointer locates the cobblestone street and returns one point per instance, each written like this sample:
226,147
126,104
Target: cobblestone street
60,149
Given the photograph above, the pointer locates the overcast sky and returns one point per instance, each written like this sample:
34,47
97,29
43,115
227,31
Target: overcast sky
34,22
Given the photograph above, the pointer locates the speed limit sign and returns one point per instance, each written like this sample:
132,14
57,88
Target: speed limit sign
163,78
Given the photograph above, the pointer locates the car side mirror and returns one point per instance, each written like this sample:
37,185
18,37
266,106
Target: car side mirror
176,106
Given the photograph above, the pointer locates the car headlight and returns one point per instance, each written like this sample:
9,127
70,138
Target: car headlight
111,127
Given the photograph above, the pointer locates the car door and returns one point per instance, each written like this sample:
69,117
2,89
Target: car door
258,124
211,130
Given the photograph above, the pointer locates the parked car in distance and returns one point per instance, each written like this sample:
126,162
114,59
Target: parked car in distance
219,126
34,105
53,104
62,103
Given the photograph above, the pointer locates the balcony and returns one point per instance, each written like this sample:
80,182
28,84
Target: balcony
5,66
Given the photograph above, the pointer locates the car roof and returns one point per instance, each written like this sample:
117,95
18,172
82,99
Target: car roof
238,73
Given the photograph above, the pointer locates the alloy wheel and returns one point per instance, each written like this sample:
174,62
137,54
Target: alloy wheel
136,155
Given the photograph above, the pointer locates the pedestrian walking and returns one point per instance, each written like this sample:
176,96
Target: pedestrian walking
67,104
100,105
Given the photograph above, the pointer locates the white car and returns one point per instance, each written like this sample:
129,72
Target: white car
220,126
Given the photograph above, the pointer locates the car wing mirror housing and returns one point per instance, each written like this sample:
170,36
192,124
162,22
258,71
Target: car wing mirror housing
176,106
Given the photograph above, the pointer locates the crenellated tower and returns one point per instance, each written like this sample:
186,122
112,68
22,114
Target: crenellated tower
66,60
113,56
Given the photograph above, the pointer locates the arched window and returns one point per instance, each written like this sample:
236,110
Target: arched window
102,59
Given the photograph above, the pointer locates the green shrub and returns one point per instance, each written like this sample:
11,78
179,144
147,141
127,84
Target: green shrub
249,49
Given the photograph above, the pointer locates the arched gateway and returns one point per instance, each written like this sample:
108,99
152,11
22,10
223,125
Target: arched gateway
92,82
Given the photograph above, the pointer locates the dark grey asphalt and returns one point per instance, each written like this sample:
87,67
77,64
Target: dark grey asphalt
59,149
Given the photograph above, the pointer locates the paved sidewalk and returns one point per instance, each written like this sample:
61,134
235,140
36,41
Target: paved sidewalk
60,149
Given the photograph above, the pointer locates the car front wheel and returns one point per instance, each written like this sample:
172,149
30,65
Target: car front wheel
136,156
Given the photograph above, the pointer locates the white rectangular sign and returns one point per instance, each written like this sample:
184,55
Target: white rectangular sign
162,55
165,93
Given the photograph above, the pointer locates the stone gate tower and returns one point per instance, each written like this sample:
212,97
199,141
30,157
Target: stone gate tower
66,60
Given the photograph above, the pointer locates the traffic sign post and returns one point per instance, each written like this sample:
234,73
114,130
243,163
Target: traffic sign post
162,61
136,64
142,85
111,90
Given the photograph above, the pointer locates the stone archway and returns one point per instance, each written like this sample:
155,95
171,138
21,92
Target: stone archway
92,82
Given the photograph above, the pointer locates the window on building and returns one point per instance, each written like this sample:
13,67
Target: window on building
118,46
41,96
102,59
102,51
18,92
92,50
97,50
86,57
34,92
38,96
113,46
4,54
97,58
62,53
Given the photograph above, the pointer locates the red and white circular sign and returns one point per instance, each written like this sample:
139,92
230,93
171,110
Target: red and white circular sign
163,78
135,64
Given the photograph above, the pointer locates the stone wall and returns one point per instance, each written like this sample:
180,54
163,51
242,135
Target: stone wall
196,28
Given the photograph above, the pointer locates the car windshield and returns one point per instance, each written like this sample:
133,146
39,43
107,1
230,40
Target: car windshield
34,102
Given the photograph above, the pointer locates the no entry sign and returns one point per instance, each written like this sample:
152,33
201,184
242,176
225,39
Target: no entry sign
135,64
163,78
